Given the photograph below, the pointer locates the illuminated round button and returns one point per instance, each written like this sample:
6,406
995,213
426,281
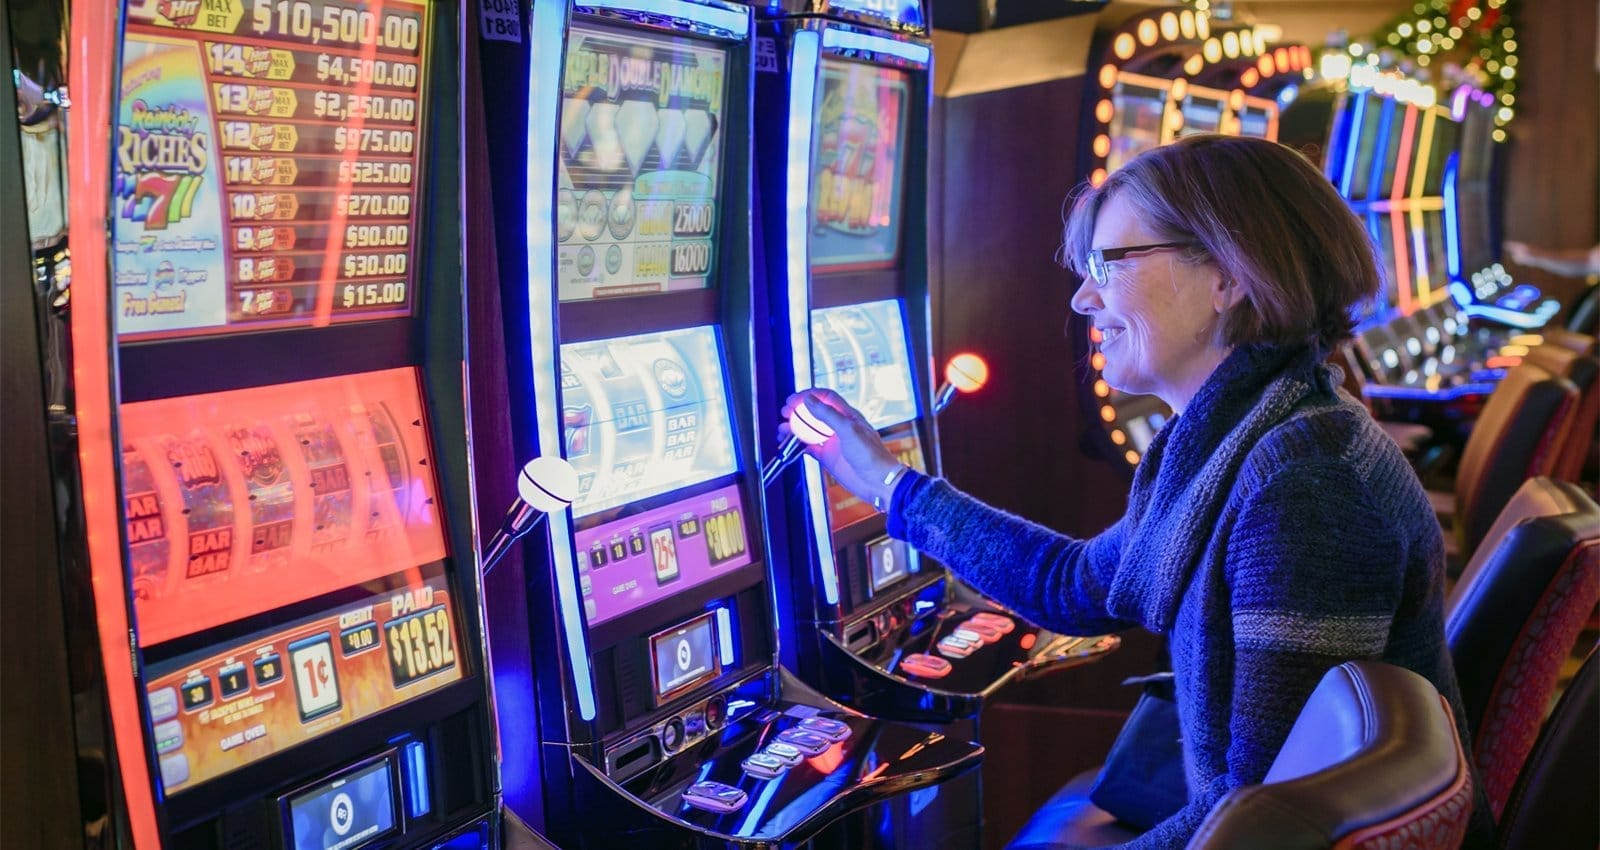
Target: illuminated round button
342,813
685,655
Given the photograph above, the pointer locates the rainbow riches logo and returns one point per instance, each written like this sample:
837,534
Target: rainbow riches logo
162,154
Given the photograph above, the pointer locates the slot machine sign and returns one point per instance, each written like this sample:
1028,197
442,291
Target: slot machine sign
857,165
267,163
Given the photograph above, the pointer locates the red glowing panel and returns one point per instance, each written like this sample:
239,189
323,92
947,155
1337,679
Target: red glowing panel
245,501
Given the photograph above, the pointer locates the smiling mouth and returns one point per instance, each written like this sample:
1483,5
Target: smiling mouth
1110,335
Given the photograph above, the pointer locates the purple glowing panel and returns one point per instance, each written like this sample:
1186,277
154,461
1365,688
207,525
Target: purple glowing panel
640,559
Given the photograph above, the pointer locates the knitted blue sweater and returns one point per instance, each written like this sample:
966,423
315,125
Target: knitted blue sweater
1272,532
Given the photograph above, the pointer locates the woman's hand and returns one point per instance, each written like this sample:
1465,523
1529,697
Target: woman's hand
855,456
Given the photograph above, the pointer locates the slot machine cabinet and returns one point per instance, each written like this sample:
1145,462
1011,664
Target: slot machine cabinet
643,637
269,448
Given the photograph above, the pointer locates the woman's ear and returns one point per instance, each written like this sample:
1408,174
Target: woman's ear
1226,293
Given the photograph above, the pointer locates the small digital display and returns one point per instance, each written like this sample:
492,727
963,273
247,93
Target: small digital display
348,812
630,563
640,159
859,351
644,415
858,165
1136,125
267,164
684,656
889,561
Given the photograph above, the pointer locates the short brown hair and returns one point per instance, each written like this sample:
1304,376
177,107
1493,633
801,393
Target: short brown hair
1268,218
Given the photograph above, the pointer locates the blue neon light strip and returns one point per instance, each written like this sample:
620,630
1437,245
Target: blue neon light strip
839,39
1452,239
544,99
803,63
1441,394
735,23
1351,140
1540,316
725,635
1380,151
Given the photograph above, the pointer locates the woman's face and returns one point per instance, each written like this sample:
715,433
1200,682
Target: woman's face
1157,314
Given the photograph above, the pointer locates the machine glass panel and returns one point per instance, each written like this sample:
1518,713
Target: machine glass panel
859,351
857,165
640,163
1137,122
267,166
1201,114
287,561
647,426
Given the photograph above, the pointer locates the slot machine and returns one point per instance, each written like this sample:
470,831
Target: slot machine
843,164
266,495
642,635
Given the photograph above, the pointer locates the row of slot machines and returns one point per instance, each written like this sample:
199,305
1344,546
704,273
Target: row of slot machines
1421,175
271,482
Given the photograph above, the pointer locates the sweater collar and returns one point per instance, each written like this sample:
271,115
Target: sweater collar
1187,475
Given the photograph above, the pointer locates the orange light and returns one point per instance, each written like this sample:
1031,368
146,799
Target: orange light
1094,335
1175,121
1097,177
967,372
1102,145
1230,44
1131,456
1122,46
1266,66
1097,361
1236,99
1169,26
1119,437
874,773
1103,111
1194,64
1102,389
1212,50
1147,32
1180,87
1028,640
1108,413
1186,23
1502,361
1304,55
1281,56
1250,78
828,760
1108,76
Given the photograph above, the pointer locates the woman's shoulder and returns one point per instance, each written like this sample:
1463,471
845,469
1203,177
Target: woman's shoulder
1330,434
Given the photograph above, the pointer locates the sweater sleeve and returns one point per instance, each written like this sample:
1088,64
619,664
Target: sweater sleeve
1053,580
1315,572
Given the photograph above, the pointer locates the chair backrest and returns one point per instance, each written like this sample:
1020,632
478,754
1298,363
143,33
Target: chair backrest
1514,616
1516,437
1583,370
1373,758
1552,806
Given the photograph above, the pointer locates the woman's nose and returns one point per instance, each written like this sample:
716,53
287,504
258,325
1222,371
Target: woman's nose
1087,299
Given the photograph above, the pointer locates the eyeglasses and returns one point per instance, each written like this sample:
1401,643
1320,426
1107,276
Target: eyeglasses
1099,257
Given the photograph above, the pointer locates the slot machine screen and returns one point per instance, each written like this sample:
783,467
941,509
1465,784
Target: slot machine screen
1200,115
1366,145
288,564
1384,187
1446,138
1255,122
1136,125
858,165
266,165
859,351
640,163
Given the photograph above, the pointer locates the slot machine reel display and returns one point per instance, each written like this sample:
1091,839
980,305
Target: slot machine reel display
287,403
643,632
844,162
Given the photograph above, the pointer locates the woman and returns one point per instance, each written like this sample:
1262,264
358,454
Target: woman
1272,530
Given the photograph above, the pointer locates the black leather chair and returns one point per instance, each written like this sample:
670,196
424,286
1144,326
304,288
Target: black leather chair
1552,806
1515,616
1372,761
